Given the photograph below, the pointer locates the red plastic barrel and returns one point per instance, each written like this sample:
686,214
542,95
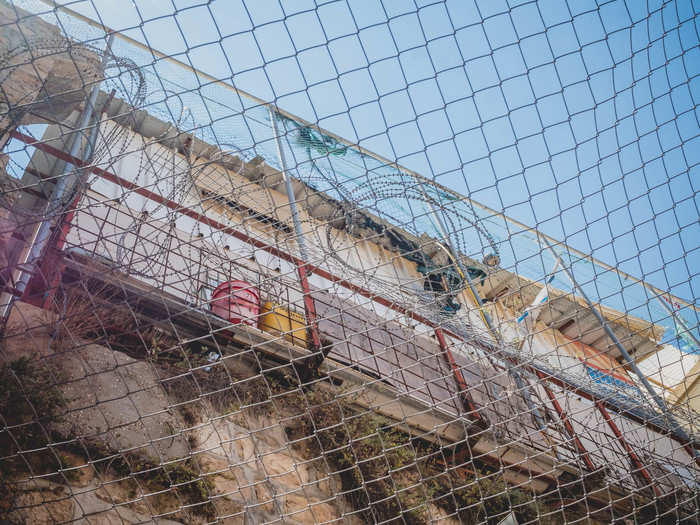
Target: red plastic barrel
237,301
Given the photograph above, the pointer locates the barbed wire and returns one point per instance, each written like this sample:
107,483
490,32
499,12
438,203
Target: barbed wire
238,316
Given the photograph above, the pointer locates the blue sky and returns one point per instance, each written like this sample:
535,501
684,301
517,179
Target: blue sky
577,117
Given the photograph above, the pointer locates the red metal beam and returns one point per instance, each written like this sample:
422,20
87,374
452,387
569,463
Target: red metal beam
310,310
630,451
57,269
567,424
465,398
115,179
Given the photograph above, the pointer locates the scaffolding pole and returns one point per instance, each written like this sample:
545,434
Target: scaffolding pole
309,306
79,190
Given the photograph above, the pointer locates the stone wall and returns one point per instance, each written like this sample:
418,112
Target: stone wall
130,442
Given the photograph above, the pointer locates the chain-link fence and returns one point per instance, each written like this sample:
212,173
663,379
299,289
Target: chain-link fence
461,287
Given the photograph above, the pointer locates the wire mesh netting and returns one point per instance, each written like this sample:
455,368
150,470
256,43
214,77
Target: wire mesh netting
400,262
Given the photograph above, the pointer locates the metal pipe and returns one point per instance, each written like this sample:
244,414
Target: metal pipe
62,186
288,186
65,223
309,306
627,357
89,152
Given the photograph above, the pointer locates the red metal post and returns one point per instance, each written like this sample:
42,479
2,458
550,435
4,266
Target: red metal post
58,269
567,424
309,308
459,378
630,451
587,395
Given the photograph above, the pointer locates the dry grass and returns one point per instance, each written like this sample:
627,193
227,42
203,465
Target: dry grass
92,313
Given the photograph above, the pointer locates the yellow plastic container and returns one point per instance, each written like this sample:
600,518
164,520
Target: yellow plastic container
278,320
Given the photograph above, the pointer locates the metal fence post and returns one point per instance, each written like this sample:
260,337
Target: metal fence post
63,186
309,306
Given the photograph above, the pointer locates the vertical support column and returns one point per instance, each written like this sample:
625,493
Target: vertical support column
630,451
64,185
309,306
56,270
464,396
567,424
